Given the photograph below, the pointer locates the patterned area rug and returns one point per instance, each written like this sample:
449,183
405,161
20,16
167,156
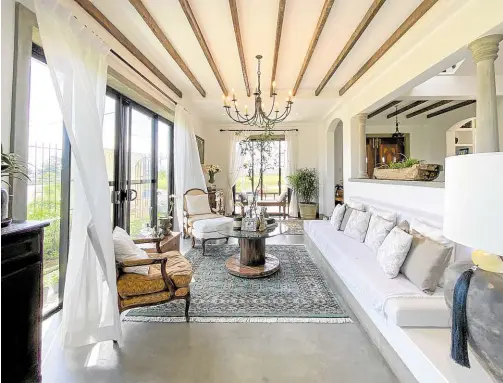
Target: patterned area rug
295,226
296,293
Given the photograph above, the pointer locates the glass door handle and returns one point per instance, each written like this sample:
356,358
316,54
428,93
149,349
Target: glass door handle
132,194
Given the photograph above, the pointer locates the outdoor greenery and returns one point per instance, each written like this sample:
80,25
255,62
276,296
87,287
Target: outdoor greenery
260,149
305,183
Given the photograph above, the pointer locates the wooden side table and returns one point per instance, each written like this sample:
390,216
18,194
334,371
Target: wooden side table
170,242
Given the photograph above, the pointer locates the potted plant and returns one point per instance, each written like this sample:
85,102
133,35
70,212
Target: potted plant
305,183
408,169
12,166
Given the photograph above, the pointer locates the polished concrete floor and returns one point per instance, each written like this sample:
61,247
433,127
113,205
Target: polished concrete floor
221,352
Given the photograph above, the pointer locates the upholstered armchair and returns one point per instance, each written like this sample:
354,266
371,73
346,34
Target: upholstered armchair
168,279
200,221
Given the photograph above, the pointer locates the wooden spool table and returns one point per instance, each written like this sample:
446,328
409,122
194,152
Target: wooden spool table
252,260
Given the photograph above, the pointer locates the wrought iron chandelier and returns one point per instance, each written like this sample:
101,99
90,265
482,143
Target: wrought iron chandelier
398,135
259,118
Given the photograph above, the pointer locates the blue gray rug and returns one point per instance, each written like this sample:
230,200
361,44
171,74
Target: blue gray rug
297,293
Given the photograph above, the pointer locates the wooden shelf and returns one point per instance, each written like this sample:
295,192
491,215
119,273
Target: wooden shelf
463,145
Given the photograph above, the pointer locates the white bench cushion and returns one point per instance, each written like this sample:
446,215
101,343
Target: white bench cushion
398,299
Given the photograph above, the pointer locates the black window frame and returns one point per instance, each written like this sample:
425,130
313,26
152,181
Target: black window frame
37,53
124,108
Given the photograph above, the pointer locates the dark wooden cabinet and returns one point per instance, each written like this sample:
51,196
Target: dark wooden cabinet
22,249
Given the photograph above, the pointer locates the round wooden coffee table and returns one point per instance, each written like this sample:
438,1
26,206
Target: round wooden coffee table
252,260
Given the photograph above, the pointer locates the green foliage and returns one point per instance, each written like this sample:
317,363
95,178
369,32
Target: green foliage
305,183
407,163
162,180
13,165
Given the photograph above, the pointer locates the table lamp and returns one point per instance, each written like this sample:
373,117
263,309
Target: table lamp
473,206
473,216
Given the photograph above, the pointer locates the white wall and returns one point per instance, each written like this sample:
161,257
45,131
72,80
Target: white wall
338,155
424,51
217,147
427,135
7,38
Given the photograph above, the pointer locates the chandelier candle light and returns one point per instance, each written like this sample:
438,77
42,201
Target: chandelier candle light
259,118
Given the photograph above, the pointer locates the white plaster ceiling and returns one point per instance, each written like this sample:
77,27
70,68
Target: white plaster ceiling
258,20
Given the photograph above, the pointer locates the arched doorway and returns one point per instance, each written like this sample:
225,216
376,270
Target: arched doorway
334,164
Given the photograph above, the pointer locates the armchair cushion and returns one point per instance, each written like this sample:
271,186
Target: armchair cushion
178,268
126,250
197,204
200,217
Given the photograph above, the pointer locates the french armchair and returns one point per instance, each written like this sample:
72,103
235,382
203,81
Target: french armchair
168,279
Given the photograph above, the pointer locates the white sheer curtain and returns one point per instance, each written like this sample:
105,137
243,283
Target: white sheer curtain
188,170
291,166
233,171
77,61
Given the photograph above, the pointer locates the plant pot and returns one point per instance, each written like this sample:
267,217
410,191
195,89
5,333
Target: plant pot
308,210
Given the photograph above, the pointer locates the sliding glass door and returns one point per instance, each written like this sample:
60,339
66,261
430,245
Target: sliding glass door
138,148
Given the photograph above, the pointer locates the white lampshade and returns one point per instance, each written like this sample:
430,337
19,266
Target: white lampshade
473,202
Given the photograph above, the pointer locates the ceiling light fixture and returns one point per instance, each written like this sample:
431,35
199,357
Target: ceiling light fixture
259,118
398,135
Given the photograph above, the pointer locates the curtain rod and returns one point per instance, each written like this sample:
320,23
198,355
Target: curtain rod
257,130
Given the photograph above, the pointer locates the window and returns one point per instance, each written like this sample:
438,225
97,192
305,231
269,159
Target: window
273,182
48,151
138,147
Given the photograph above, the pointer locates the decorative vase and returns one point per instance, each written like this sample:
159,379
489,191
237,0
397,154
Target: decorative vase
484,310
212,178
237,223
262,222
165,224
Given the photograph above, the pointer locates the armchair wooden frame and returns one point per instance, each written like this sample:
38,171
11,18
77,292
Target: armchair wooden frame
187,231
154,258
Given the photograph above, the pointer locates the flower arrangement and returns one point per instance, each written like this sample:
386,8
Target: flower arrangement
212,170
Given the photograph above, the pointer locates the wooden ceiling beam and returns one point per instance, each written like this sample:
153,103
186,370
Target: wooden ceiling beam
383,108
239,42
314,41
112,29
202,42
427,108
364,23
406,108
451,108
279,27
157,31
397,35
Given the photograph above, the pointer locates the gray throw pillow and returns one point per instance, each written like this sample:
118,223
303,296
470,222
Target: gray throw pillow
426,262
345,220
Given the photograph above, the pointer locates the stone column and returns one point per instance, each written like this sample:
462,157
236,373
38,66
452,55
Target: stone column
484,52
362,146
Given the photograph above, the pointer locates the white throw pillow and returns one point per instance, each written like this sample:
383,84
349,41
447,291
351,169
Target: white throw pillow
393,251
387,215
198,204
378,229
126,250
436,235
337,216
357,225
356,205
